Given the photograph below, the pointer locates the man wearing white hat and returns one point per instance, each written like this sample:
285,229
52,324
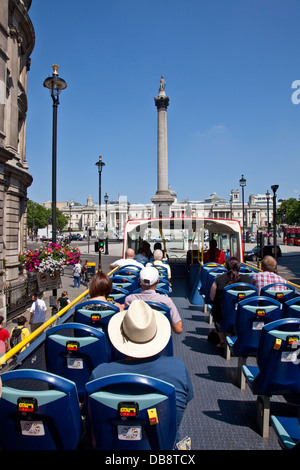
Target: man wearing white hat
149,278
141,333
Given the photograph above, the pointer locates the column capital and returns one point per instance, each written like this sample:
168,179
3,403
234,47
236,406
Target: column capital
161,102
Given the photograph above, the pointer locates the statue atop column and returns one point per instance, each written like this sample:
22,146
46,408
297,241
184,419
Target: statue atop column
161,90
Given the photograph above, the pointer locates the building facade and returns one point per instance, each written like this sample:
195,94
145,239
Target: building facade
17,40
116,213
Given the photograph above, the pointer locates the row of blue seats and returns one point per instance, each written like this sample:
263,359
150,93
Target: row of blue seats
72,351
120,412
268,328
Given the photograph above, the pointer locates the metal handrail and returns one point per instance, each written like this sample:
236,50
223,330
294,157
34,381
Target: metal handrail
9,354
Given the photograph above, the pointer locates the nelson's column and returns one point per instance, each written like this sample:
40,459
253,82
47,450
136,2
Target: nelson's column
162,198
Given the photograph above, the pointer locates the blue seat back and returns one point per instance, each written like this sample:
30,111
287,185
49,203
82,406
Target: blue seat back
291,308
232,295
121,408
279,291
252,315
118,294
203,273
124,282
73,356
162,271
278,358
42,417
97,313
210,278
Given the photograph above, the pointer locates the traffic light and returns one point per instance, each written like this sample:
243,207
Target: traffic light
101,246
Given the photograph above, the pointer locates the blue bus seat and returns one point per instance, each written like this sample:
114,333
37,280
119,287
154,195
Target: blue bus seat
252,314
287,430
124,282
203,273
75,357
118,294
291,308
97,313
277,371
210,278
279,290
232,295
131,412
163,271
42,417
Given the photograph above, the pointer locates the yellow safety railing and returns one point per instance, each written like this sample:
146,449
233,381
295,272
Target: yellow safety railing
9,354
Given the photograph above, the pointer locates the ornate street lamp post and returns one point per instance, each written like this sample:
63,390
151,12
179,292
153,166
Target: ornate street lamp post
54,84
106,239
243,184
100,164
274,189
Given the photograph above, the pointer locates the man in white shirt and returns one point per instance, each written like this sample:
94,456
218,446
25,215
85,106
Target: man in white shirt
128,260
37,312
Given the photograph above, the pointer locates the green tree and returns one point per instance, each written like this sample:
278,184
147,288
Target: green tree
37,215
289,212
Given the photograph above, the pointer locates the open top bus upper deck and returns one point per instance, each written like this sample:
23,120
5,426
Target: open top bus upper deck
178,236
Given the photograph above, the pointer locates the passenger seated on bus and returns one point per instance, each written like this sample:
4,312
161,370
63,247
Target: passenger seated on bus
158,257
141,256
100,287
141,333
149,278
232,276
128,260
147,247
268,274
214,254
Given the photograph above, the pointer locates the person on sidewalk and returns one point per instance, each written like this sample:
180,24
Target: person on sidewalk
37,312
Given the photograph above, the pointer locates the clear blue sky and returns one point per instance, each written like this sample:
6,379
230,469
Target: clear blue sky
228,66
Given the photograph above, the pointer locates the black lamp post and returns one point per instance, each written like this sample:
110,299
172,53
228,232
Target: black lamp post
55,84
243,184
100,164
274,189
268,221
106,239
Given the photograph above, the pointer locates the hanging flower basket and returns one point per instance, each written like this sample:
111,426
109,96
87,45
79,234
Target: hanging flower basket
50,258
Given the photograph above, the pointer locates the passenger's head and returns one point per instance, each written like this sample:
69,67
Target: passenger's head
139,331
129,254
157,246
100,285
1,319
268,263
149,277
158,255
213,243
233,265
64,293
21,320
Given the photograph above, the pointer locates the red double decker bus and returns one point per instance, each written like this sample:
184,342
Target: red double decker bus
291,236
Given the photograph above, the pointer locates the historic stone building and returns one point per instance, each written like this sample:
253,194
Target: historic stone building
83,217
17,40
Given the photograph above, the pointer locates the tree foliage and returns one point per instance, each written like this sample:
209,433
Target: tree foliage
39,216
289,212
